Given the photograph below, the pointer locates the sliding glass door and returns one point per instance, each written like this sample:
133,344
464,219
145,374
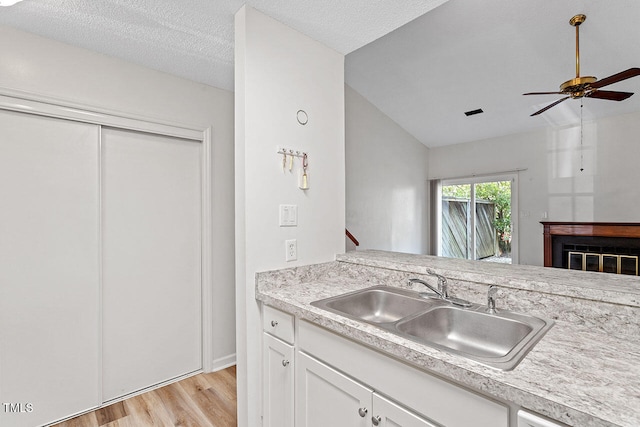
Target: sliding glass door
476,221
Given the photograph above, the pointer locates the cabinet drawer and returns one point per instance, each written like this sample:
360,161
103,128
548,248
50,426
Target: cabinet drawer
278,323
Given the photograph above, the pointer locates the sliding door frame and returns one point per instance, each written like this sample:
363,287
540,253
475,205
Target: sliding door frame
472,180
50,107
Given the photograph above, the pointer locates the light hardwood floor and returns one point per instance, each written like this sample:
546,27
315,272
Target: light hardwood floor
204,400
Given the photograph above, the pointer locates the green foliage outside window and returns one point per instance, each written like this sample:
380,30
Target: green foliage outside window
498,192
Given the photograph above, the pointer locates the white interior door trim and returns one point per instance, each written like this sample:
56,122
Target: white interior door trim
41,105
29,103
207,253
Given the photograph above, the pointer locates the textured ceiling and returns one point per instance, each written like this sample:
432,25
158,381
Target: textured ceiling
470,54
194,38
462,55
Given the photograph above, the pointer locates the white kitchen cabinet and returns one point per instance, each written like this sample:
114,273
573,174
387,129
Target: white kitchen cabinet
49,269
339,382
422,393
151,227
328,397
389,414
342,383
278,386
325,397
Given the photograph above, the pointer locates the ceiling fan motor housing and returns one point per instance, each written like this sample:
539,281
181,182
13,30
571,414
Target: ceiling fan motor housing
578,86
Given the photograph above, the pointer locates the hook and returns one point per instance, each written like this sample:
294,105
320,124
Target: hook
304,184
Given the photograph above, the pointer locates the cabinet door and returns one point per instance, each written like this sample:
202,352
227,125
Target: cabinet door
389,414
278,372
49,269
325,397
151,249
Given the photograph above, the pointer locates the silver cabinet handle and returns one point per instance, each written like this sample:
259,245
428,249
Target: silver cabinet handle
285,363
376,420
363,412
274,323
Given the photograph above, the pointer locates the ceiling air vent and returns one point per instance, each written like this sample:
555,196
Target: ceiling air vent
473,112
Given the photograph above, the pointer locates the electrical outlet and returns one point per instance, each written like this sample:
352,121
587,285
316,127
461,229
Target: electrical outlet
291,247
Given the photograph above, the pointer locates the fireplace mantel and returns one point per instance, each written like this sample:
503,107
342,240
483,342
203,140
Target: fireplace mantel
589,229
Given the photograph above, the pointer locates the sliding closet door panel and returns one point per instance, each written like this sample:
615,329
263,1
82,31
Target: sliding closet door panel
49,269
151,208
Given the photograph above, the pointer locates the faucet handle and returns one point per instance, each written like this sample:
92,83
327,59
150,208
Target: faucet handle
491,299
431,288
442,283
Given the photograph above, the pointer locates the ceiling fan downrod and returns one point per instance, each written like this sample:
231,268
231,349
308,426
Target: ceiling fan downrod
576,87
576,21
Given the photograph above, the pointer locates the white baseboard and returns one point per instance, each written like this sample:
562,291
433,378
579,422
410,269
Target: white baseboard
223,362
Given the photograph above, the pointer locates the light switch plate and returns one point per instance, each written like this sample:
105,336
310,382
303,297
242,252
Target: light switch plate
288,215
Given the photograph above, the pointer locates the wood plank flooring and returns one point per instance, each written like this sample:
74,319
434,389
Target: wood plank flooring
204,400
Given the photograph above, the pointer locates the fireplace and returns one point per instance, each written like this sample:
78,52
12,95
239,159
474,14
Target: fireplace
592,246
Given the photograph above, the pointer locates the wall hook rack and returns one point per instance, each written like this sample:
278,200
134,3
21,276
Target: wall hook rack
287,158
292,153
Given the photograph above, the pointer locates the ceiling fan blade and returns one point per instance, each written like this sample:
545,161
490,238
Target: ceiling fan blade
623,75
544,93
550,105
610,95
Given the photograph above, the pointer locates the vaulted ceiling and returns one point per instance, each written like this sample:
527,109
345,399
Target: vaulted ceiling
422,62
470,54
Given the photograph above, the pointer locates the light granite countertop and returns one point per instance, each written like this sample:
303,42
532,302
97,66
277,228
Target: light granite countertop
614,288
576,374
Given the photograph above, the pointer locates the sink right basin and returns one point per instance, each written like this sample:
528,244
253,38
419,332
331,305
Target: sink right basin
471,332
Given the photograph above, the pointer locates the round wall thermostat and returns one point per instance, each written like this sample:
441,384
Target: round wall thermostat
302,117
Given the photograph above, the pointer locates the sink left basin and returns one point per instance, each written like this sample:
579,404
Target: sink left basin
378,304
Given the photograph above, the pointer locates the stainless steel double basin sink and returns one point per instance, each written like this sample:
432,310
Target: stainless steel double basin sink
500,340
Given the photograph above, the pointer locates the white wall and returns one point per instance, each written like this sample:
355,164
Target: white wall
386,180
551,182
277,72
43,67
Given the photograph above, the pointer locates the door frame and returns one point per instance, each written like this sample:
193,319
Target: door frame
29,103
478,179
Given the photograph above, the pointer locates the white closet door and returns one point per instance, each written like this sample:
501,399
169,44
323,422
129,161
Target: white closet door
151,227
49,269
